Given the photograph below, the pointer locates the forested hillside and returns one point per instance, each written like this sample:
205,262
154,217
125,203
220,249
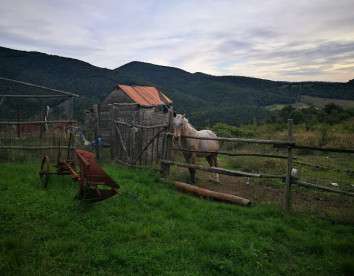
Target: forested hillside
205,99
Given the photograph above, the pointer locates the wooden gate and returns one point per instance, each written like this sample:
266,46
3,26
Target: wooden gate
138,134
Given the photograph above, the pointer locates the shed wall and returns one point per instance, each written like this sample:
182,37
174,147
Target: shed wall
117,96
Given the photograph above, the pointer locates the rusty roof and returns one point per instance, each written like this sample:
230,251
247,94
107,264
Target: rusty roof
145,95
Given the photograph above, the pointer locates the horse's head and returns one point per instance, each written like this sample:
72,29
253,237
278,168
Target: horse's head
178,125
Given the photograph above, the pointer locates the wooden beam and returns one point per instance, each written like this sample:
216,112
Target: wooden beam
310,185
41,87
35,122
324,149
165,168
234,154
33,148
272,142
122,143
221,170
34,96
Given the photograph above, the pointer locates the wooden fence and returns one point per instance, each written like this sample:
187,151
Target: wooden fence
10,138
288,177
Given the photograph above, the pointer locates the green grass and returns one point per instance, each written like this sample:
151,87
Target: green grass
154,229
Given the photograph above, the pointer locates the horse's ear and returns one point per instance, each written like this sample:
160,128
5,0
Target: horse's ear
183,116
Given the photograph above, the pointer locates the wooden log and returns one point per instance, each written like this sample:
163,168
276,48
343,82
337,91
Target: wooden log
214,195
310,185
272,142
220,170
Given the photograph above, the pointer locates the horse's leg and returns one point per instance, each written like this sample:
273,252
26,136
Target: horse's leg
213,162
190,159
192,171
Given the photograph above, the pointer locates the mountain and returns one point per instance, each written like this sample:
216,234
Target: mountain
204,98
233,100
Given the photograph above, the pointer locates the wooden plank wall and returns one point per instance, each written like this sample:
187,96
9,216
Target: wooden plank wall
138,125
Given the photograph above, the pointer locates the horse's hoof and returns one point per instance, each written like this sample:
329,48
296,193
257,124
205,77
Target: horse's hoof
212,179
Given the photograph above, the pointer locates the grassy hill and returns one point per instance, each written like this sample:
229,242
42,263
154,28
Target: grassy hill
204,98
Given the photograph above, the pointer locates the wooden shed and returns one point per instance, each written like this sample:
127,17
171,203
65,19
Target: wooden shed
132,121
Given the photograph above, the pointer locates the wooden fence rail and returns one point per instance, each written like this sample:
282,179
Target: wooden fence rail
221,170
242,140
35,148
34,122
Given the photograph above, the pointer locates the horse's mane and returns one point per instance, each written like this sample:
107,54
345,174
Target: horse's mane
186,122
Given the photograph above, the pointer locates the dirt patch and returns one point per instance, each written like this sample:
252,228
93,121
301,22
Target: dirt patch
314,202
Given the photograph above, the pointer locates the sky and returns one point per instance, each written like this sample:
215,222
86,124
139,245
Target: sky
283,40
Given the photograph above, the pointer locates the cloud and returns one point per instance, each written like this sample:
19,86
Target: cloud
268,39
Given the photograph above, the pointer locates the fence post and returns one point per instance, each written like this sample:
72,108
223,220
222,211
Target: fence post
165,168
18,119
113,136
289,166
97,129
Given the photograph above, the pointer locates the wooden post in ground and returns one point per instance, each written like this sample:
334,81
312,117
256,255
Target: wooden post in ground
72,137
18,119
95,114
165,168
289,167
113,138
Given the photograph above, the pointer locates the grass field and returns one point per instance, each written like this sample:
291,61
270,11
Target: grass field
153,229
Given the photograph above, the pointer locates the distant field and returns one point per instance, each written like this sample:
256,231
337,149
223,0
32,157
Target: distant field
321,102
315,101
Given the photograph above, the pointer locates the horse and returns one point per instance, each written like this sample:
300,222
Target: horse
207,148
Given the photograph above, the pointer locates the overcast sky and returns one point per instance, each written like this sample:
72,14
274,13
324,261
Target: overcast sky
288,40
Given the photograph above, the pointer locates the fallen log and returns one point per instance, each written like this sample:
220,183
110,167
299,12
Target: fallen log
214,195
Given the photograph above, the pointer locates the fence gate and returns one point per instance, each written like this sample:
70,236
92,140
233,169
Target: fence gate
138,134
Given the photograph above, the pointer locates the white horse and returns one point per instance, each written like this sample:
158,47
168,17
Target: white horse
207,148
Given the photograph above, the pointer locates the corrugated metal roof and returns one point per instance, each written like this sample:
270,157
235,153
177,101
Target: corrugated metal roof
145,95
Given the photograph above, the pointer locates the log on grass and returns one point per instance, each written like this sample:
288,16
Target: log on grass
215,195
